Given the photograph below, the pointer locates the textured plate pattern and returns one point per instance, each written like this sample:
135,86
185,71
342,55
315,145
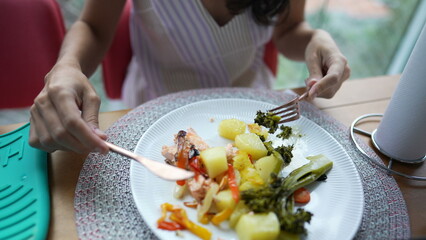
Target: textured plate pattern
338,201
104,203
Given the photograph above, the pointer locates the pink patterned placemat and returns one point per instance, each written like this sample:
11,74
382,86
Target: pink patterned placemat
104,206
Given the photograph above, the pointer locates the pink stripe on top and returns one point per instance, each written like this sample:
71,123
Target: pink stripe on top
177,46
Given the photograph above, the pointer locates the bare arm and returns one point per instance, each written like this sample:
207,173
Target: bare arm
296,40
292,34
64,115
90,36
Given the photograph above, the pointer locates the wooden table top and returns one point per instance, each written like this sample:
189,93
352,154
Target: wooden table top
355,98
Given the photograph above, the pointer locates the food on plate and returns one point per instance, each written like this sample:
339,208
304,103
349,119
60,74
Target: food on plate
251,144
244,184
268,120
230,128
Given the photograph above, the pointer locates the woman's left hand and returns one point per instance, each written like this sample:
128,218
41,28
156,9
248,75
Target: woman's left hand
327,66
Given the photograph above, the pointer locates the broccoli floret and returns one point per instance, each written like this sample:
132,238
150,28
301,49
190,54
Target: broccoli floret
268,120
262,138
283,153
286,132
280,201
277,196
293,221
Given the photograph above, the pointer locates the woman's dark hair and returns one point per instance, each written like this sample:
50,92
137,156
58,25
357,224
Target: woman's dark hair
263,10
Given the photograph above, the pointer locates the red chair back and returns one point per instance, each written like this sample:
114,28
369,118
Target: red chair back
114,65
31,35
271,57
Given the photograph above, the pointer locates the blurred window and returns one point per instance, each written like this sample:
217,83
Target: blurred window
376,36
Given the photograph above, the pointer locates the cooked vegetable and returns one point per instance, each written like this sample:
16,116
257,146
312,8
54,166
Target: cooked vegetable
181,217
268,120
286,132
251,175
283,153
258,130
204,207
241,161
318,165
224,200
258,226
232,182
279,193
239,210
214,160
230,128
222,216
288,236
302,195
291,221
249,185
267,165
251,143
179,190
179,220
167,225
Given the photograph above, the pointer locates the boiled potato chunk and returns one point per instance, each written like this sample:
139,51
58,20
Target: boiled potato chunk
224,200
239,210
250,174
241,161
246,169
229,128
251,143
267,165
288,236
259,130
248,185
214,160
258,226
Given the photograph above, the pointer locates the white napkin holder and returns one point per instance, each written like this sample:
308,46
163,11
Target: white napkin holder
401,134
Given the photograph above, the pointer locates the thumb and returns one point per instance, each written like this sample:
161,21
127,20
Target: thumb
90,113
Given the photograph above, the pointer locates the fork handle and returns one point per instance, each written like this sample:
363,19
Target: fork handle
304,95
124,152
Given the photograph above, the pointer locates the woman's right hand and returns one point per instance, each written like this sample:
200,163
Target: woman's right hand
64,115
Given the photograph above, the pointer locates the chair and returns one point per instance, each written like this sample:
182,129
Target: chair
31,36
270,57
117,59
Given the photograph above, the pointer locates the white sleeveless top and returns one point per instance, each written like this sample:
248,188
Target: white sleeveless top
177,46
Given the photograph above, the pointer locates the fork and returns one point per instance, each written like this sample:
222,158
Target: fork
163,170
289,111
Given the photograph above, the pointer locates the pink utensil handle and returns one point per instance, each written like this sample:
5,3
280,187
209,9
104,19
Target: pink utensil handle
162,170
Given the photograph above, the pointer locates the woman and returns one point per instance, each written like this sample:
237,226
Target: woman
177,45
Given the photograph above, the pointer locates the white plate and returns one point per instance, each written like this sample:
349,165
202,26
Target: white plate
336,204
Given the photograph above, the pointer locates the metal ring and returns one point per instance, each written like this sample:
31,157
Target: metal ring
353,129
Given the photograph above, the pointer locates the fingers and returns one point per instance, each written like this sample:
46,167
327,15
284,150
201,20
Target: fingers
90,112
338,71
38,137
51,132
58,124
72,120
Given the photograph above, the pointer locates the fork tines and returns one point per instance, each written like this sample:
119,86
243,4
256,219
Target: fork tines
289,111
